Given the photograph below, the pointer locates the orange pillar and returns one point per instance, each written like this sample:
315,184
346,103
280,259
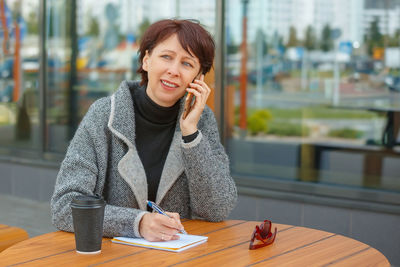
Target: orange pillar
243,71
17,63
230,109
4,25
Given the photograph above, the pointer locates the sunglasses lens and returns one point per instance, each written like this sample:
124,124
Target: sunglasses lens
265,229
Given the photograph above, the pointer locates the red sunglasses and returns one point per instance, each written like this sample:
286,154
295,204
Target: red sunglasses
263,234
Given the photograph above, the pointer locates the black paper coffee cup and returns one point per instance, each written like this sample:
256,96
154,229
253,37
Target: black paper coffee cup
88,216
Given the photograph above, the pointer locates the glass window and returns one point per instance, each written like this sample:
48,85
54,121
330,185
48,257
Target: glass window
59,95
19,64
313,91
92,50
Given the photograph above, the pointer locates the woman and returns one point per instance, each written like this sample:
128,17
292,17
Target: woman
135,145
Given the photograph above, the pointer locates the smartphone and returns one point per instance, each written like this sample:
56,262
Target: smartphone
189,101
188,105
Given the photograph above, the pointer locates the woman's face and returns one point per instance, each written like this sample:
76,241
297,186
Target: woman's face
170,69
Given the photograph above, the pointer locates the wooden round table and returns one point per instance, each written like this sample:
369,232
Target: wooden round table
227,244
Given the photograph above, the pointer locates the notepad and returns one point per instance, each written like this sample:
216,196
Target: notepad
184,242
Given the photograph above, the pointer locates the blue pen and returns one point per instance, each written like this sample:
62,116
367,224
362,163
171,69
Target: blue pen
155,207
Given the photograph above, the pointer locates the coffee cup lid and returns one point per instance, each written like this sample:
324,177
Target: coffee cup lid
87,200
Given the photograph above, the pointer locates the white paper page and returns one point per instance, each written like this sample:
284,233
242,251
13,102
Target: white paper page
185,241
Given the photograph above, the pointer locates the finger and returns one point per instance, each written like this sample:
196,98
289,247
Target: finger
204,87
162,237
200,81
204,90
165,234
177,218
153,239
204,93
175,237
199,97
198,87
170,231
170,225
166,237
194,91
173,215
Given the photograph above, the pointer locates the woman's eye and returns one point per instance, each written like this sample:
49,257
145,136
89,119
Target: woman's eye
187,64
166,56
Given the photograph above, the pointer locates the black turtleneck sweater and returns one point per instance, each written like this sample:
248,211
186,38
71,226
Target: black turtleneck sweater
155,127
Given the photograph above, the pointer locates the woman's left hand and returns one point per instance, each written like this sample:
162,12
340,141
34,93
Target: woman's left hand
201,91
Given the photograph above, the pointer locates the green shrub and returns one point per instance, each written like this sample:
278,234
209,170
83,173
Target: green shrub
322,113
258,121
288,129
264,114
347,133
256,124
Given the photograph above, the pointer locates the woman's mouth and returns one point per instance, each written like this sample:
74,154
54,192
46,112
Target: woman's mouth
169,85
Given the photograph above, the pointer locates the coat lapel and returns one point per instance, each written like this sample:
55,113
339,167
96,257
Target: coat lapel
122,124
173,167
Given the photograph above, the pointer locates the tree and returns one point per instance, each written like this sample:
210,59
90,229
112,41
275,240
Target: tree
32,23
326,38
16,10
374,38
292,42
143,27
394,41
261,39
310,42
60,20
94,28
231,46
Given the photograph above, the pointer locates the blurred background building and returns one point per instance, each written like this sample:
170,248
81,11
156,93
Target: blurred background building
306,94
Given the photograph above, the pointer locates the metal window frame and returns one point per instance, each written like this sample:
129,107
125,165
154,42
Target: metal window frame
220,96
42,76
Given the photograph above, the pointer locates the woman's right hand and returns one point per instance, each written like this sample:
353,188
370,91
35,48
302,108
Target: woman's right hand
158,227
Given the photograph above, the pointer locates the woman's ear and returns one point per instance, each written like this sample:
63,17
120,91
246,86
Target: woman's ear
145,61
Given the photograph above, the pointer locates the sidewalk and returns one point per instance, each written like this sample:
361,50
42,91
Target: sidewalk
32,216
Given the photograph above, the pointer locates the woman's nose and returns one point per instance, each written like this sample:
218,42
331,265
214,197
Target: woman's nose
173,69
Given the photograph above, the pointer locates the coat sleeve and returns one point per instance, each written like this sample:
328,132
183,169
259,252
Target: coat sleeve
213,193
81,174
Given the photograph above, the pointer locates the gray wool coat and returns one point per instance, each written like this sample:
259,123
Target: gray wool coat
102,159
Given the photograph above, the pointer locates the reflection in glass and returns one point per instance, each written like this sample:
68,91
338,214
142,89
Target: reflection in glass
19,57
92,48
58,44
322,98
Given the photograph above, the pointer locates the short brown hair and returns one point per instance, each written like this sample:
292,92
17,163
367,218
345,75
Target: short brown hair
191,35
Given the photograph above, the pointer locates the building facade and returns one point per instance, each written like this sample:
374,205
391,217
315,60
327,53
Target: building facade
307,106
